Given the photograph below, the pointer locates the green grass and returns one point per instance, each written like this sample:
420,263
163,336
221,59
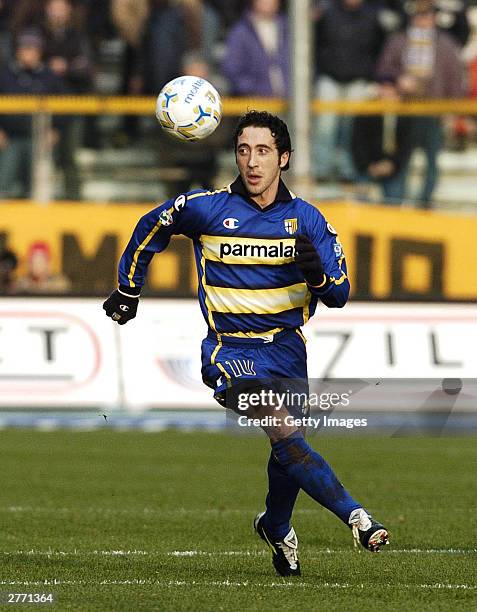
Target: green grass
68,500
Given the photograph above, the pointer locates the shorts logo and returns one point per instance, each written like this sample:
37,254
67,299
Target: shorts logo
230,223
331,229
166,218
241,367
180,202
291,225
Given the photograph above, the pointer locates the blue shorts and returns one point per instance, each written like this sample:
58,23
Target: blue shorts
249,363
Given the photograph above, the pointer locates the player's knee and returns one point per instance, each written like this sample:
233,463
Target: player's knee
291,450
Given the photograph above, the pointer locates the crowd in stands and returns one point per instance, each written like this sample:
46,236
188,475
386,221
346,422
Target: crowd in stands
37,278
363,49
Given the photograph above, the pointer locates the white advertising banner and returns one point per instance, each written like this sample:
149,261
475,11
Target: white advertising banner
367,340
56,353
66,353
161,356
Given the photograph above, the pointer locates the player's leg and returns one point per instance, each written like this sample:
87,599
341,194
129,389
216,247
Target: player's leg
283,490
314,475
299,460
274,525
224,368
294,464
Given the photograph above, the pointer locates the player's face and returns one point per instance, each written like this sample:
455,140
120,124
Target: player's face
259,163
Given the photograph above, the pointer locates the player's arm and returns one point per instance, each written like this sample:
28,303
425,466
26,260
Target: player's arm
320,258
151,235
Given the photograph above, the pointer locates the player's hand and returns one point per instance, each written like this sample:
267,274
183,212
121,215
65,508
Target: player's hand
308,261
121,307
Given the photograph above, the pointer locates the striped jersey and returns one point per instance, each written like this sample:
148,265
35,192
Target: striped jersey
249,284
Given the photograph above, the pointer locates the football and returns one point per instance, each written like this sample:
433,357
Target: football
189,108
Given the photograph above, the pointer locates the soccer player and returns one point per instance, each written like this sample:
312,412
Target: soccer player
264,258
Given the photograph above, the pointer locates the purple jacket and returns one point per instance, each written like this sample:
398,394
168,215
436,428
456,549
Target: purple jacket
246,63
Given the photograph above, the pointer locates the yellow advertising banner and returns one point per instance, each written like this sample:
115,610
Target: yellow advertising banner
392,253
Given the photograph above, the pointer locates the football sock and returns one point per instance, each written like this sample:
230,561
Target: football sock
313,474
282,493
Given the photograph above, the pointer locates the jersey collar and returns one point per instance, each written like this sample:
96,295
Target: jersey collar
283,194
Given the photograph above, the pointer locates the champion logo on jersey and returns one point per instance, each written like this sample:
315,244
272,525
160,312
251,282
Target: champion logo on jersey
230,223
291,225
180,202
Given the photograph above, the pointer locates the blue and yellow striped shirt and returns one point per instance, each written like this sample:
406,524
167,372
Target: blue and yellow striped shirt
248,281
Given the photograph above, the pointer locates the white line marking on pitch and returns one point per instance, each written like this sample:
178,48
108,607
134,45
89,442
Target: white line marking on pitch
142,511
139,553
223,553
128,511
228,583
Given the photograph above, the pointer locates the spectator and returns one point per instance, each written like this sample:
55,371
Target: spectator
391,14
348,41
381,147
6,7
425,63
129,17
67,53
200,32
196,161
256,61
203,28
451,17
15,17
228,10
94,17
24,14
473,78
67,50
26,74
39,278
163,48
8,265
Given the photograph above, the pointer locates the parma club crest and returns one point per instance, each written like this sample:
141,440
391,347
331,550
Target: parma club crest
291,225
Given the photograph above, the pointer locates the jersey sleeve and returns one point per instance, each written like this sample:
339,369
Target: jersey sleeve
334,292
185,215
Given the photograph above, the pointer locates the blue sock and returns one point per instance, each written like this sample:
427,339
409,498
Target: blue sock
282,493
313,474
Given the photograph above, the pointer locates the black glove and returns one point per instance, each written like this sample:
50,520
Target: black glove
121,307
308,261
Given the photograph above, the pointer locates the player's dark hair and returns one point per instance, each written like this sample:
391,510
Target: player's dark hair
277,127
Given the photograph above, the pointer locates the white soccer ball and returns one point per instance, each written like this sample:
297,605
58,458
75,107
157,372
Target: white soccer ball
189,108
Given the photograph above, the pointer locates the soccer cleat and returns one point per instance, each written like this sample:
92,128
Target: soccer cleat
284,552
366,531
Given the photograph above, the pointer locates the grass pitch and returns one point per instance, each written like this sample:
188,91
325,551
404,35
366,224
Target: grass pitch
138,521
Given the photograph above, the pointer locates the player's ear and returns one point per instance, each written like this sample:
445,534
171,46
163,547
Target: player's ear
284,158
